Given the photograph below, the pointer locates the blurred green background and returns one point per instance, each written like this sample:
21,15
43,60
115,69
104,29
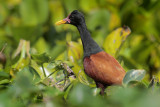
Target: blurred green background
47,47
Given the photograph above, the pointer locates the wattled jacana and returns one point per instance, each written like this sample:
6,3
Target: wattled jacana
100,66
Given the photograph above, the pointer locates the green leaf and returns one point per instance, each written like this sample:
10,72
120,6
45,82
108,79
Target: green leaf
114,40
137,84
24,85
82,96
4,75
87,5
75,51
52,91
96,91
40,58
143,54
114,17
5,81
54,64
34,12
98,18
70,5
20,65
31,33
3,13
68,91
33,73
133,75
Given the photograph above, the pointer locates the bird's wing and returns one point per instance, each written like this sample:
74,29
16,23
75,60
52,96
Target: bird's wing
104,68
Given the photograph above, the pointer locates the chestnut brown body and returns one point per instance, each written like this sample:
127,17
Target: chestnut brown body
104,69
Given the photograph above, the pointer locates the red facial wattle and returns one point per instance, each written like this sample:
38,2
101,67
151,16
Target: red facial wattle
64,21
67,20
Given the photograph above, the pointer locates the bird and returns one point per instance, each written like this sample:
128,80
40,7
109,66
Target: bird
103,68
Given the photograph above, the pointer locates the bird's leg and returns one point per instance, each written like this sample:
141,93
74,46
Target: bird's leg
102,87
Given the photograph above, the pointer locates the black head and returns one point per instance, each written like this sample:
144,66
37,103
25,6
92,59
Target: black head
75,18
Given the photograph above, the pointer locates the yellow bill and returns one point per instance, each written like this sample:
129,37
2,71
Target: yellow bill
61,22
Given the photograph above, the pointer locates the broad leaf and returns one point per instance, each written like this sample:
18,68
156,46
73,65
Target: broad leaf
40,58
114,40
133,75
31,72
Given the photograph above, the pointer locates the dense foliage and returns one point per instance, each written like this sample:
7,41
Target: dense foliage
41,64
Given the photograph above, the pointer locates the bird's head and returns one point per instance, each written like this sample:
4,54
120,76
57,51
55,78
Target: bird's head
75,18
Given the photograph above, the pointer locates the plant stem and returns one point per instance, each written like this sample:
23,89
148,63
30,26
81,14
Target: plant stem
51,73
43,71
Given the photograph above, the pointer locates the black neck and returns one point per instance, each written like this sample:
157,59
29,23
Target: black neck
89,45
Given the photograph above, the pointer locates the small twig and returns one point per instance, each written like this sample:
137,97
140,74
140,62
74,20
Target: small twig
28,48
152,82
60,81
3,47
19,48
43,70
65,78
68,69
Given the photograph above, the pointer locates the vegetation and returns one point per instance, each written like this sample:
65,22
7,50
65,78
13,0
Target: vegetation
41,64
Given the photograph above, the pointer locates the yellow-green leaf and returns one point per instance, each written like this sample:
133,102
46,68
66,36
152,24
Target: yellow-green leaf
114,40
40,58
82,77
75,51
